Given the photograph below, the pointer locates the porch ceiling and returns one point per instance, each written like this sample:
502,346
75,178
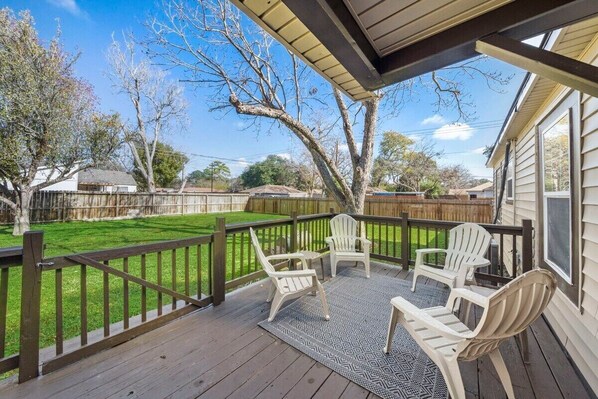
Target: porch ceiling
364,45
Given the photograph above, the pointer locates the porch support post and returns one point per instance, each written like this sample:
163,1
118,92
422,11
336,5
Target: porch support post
561,69
33,242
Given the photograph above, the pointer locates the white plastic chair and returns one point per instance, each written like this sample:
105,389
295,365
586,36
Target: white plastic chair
467,244
442,336
342,243
290,284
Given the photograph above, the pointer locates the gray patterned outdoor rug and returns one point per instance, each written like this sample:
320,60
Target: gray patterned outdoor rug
351,342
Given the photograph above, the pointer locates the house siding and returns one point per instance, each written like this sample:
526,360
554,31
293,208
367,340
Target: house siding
575,324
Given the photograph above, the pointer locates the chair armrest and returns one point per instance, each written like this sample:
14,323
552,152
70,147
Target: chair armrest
412,311
294,273
468,295
296,255
364,241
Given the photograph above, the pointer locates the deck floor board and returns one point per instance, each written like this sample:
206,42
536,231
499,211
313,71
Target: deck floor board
220,352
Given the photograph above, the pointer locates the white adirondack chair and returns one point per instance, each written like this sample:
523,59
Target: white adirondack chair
342,243
442,336
288,284
467,245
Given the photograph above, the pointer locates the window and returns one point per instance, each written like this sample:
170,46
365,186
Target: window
557,195
509,189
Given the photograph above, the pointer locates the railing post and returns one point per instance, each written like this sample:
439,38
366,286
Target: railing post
31,283
527,253
294,232
219,269
405,252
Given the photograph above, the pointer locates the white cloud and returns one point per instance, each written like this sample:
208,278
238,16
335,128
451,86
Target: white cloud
70,6
414,137
457,131
479,150
242,161
434,120
284,155
239,124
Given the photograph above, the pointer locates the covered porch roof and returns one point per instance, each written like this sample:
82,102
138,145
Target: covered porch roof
364,45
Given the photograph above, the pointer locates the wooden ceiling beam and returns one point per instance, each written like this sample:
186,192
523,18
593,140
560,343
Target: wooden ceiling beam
561,69
518,20
333,24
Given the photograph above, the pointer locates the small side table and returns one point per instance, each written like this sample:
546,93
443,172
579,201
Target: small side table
310,256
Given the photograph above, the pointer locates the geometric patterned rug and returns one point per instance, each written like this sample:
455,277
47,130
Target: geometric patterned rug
351,342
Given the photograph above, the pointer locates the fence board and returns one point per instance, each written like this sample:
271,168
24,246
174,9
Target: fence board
478,211
53,206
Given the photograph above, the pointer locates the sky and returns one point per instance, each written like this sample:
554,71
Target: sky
87,27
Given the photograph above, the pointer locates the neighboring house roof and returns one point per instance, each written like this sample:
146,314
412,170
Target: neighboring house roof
482,187
101,177
570,41
371,190
272,189
457,191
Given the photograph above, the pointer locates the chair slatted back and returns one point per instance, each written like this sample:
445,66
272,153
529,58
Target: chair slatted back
466,242
266,265
510,310
344,230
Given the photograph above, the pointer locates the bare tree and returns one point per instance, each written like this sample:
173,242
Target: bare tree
159,105
250,73
49,127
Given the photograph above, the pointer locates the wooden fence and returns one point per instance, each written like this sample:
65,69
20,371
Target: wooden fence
478,211
51,206
117,294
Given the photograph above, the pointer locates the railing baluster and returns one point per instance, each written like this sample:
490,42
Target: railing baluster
386,230
436,245
159,280
59,325
242,254
106,302
199,272
83,317
3,309
143,290
187,272
173,271
125,295
234,256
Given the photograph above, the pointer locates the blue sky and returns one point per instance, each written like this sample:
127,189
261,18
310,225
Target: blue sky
87,26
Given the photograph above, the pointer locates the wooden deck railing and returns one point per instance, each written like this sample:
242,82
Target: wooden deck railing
145,286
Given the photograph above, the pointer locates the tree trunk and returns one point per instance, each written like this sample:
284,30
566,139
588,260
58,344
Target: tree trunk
23,202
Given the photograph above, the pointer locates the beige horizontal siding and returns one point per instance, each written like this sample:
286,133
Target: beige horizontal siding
577,328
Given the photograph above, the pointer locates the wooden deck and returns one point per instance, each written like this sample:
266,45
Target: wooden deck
220,352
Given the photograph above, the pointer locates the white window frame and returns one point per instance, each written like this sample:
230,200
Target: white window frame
557,194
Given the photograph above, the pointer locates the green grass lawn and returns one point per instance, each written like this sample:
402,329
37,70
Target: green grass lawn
73,237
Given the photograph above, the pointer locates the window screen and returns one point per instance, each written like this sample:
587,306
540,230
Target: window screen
558,238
